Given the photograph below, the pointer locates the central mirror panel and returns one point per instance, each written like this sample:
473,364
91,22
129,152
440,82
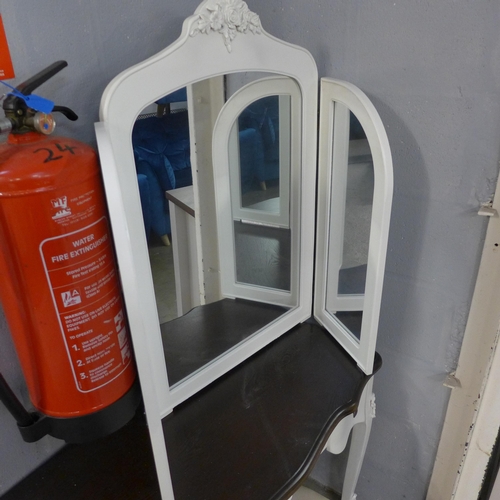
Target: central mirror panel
242,234
245,145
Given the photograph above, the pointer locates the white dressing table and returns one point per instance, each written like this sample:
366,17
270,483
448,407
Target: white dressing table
244,392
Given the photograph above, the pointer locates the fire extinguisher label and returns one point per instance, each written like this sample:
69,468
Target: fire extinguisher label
82,277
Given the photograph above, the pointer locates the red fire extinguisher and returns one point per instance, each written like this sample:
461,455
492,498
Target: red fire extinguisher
59,283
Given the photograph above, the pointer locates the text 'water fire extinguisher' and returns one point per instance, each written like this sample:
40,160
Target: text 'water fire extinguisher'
60,289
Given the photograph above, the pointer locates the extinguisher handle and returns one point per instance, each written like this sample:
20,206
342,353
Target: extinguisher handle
68,113
35,81
20,106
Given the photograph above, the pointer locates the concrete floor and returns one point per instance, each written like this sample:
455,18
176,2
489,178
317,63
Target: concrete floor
307,494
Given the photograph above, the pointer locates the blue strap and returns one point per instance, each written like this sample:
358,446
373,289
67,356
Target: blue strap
32,101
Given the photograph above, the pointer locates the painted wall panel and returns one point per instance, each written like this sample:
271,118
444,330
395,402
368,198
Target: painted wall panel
432,71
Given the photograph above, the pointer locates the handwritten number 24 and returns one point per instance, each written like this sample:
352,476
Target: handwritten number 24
50,153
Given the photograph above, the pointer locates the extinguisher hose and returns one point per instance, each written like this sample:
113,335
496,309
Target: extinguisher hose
16,409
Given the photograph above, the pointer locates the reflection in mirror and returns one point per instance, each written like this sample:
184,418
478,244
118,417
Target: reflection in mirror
359,201
262,255
260,159
259,170
260,154
163,138
160,140
355,185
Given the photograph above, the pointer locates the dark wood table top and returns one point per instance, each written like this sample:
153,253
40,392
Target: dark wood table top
207,331
254,434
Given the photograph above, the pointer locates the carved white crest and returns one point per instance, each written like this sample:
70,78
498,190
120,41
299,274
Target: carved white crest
228,17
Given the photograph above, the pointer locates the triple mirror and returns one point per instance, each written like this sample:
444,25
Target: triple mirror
237,162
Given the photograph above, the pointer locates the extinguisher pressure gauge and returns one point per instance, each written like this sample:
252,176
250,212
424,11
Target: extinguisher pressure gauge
43,123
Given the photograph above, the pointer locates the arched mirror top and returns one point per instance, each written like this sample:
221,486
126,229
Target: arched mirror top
222,37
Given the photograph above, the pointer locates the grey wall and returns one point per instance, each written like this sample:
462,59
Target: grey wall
433,72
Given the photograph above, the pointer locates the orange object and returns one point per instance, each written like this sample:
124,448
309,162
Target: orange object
6,67
59,284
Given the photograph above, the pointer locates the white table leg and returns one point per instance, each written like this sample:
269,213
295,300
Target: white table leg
359,441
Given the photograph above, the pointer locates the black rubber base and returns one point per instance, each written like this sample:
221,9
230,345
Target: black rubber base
88,427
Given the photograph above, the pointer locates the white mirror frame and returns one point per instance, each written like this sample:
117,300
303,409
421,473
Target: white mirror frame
226,153
332,185
207,47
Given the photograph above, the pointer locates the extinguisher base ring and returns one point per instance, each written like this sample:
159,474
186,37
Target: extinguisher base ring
87,427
